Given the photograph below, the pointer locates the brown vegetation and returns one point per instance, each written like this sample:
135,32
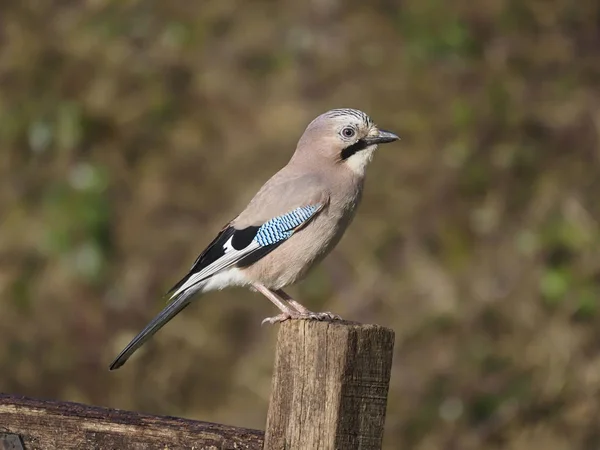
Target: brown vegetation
131,131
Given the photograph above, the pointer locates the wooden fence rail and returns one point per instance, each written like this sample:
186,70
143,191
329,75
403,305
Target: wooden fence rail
330,386
63,425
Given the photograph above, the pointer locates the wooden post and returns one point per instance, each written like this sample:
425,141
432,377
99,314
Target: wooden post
10,442
329,392
330,386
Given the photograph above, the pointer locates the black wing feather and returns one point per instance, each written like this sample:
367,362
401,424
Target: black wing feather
216,249
243,238
258,254
211,253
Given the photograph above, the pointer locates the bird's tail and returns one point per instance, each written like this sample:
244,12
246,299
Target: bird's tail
175,306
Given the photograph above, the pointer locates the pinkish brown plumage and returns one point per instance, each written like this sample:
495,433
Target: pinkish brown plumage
291,224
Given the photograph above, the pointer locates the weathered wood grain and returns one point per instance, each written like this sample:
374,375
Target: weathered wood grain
10,442
48,425
330,386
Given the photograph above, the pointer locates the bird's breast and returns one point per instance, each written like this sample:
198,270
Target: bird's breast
293,259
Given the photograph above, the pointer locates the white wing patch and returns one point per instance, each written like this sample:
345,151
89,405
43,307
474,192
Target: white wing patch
230,257
228,246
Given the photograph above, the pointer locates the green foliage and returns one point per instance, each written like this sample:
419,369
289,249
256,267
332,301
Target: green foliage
77,221
554,285
432,30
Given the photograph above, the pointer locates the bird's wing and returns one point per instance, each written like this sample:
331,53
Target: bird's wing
233,246
285,191
242,247
286,203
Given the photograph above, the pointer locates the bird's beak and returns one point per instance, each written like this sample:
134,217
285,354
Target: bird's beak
382,137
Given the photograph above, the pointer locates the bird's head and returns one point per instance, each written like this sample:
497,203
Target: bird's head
344,136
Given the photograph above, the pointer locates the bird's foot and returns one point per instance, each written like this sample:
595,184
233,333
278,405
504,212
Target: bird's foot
301,316
318,316
276,319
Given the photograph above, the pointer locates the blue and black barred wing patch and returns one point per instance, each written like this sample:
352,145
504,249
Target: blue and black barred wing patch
281,228
244,247
277,230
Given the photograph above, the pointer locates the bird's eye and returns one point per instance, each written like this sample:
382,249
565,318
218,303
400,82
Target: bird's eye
348,132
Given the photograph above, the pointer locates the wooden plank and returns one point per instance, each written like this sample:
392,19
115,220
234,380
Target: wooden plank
10,442
48,425
330,386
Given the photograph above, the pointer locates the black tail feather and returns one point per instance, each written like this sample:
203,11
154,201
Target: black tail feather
170,311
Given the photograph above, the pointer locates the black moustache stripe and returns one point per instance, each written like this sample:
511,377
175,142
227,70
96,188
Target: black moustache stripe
354,148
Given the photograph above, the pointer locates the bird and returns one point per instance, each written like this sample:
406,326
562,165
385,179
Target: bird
295,219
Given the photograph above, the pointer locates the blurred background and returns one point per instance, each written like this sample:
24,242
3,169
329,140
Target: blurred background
131,131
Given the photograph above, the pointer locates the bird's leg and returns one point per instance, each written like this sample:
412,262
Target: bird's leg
305,313
290,308
287,312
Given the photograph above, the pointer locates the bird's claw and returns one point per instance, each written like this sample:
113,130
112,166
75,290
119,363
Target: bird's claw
301,316
276,319
324,316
